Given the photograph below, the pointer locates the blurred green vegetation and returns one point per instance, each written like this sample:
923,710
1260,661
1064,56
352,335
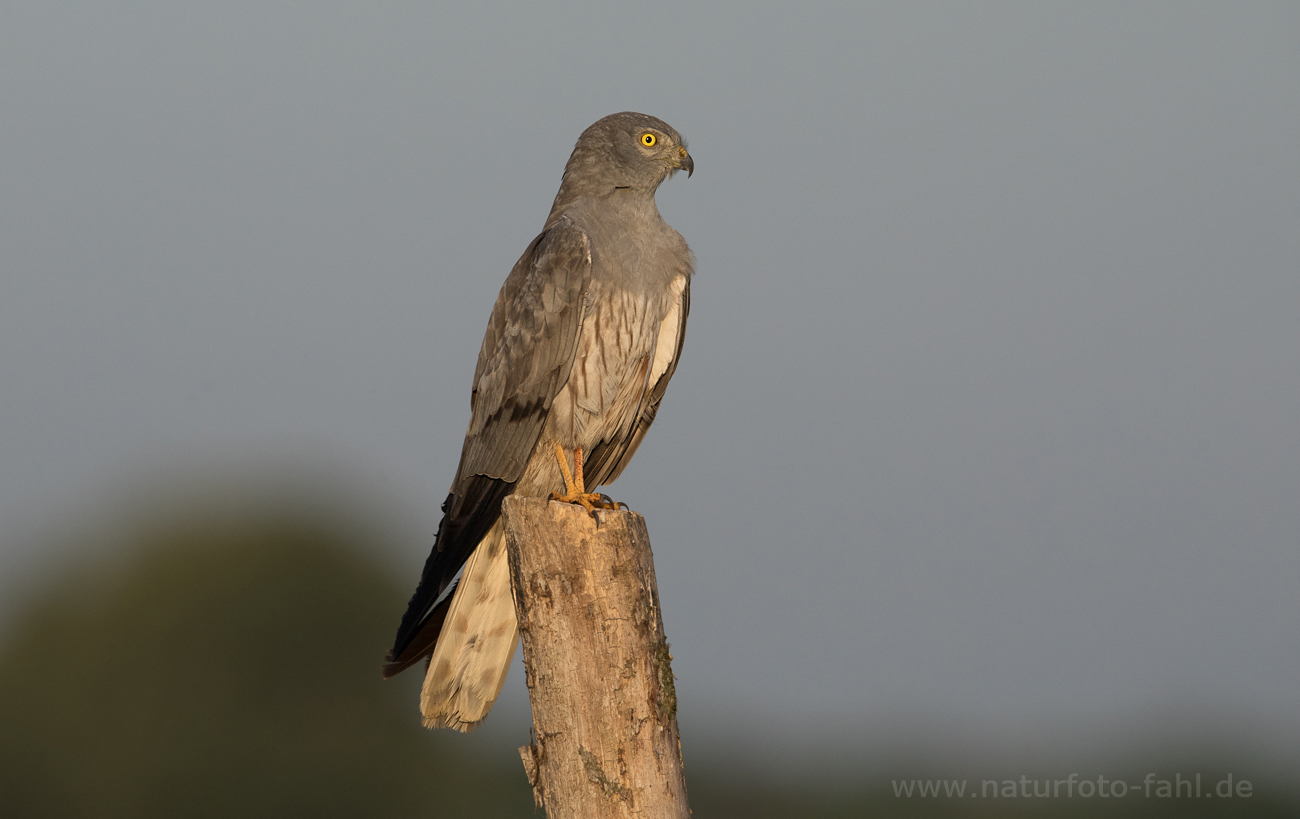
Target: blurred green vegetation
227,664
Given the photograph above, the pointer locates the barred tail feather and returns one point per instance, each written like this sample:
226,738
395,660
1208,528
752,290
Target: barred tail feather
477,642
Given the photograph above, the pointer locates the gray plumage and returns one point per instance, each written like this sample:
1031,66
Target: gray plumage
585,335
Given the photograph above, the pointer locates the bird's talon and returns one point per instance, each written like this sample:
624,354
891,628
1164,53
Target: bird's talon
574,491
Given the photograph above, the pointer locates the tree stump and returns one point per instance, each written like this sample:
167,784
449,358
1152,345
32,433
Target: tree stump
600,680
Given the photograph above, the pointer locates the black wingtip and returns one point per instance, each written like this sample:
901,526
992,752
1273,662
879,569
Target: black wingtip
413,646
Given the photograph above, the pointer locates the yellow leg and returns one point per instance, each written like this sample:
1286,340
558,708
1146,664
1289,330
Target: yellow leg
574,491
570,486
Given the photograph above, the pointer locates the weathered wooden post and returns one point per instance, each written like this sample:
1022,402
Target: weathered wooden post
605,740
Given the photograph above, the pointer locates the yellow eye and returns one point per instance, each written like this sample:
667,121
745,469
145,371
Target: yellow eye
648,140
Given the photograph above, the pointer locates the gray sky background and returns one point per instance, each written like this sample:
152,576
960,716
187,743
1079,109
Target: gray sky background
988,413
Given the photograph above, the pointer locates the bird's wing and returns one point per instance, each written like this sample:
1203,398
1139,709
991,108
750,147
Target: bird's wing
527,353
526,357
608,459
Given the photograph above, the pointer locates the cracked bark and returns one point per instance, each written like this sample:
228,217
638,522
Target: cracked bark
599,674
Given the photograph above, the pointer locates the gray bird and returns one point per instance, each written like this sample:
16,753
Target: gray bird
584,336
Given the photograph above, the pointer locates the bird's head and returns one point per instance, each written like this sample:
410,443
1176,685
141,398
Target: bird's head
629,150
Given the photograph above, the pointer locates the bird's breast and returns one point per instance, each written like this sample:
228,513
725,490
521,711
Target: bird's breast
615,348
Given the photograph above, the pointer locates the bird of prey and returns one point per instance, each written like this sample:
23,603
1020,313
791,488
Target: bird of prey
583,338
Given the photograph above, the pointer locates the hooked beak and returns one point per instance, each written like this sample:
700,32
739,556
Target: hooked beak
683,162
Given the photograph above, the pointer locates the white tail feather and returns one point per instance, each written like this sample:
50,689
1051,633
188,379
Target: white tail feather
477,642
